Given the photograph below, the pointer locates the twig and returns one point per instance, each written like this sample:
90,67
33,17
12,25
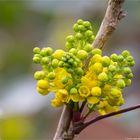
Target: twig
86,115
113,15
79,128
64,123
82,106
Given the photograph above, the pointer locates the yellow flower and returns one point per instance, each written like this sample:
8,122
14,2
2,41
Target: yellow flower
97,67
106,89
89,82
61,73
58,54
76,98
44,84
42,91
105,70
104,108
96,91
92,100
56,102
96,58
103,77
84,91
91,75
118,76
62,94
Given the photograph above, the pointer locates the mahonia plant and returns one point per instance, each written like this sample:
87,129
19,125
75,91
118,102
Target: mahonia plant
99,85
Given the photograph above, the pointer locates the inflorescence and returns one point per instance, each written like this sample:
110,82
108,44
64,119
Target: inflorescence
100,85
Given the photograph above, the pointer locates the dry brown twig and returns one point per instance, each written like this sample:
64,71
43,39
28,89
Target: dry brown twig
113,15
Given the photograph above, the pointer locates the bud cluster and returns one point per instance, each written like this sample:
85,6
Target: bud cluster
63,72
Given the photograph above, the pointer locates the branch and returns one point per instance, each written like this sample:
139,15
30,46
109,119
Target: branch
64,123
79,128
113,15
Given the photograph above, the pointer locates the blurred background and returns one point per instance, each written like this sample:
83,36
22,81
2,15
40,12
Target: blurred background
24,113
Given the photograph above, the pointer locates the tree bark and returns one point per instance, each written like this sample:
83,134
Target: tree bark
64,124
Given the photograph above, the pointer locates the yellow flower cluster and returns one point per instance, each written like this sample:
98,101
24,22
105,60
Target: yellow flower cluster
99,85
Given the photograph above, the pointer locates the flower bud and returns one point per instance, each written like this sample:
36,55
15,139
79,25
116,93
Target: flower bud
88,33
36,60
42,91
75,27
129,59
114,57
71,61
36,50
115,93
45,60
79,71
120,83
127,82
70,38
79,36
130,75
69,45
86,24
103,77
92,100
105,61
90,39
112,68
97,67
81,28
96,51
131,64
56,102
51,76
125,53
75,64
81,54
73,91
120,58
96,58
127,70
55,63
73,51
65,80
39,75
88,47
80,21
118,76
43,84
120,102
49,51
96,91
61,64
58,54
43,52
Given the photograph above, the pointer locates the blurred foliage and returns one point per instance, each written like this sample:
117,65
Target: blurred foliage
15,128
11,13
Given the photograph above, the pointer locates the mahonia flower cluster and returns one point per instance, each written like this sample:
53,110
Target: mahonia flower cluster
100,85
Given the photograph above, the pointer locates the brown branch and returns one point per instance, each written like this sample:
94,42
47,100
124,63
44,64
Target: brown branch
64,123
79,128
113,15
82,106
